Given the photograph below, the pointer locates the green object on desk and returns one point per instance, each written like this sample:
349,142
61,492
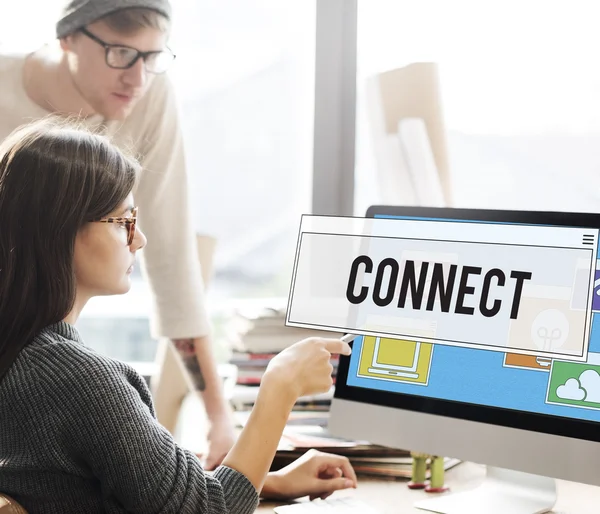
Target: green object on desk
437,472
419,469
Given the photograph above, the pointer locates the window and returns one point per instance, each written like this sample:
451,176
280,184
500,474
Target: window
520,93
20,31
245,77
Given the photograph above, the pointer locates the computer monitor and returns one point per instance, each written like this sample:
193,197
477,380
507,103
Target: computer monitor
530,416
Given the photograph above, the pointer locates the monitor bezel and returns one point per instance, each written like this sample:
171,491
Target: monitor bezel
543,423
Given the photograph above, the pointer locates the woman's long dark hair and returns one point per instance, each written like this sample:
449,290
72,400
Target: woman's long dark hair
54,178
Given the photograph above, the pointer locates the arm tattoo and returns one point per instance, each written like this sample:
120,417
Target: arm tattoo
187,351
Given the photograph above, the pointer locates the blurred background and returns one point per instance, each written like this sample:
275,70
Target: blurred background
516,87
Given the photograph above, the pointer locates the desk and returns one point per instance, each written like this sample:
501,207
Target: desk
393,497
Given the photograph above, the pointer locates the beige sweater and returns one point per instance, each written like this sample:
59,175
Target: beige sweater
152,133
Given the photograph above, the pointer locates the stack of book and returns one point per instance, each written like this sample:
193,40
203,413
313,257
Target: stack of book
261,329
251,366
256,333
243,398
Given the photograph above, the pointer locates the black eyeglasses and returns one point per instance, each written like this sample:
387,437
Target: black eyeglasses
124,57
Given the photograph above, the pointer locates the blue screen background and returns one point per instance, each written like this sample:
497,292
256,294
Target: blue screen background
479,377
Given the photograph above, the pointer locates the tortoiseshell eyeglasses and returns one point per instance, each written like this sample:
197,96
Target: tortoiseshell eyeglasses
129,222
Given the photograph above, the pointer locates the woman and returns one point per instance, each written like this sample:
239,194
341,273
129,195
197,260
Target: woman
77,429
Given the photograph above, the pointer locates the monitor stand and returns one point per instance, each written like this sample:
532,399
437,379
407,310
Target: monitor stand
502,491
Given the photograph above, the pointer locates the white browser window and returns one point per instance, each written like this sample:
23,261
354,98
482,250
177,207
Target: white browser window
496,286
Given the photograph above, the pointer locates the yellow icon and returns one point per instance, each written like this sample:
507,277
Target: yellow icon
395,359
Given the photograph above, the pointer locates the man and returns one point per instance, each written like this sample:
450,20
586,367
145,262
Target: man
109,69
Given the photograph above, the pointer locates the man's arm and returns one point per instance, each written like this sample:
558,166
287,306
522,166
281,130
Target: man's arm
199,362
196,354
186,348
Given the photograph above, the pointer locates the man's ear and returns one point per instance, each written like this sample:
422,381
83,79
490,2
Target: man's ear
66,42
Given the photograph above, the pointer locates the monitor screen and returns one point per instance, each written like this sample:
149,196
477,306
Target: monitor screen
556,389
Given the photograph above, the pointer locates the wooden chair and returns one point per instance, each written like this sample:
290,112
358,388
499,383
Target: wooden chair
10,506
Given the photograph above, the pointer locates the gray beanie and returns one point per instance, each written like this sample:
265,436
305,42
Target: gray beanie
78,13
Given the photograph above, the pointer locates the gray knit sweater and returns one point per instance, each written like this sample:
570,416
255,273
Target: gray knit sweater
78,434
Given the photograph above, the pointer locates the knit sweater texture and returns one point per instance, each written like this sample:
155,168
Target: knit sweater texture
78,434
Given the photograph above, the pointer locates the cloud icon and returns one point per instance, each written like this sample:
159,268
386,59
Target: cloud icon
586,389
571,390
590,381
